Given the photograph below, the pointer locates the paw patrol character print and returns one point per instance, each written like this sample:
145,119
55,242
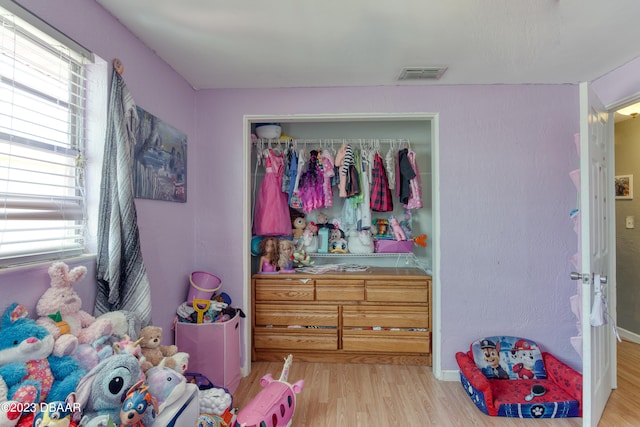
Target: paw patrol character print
491,355
139,408
524,354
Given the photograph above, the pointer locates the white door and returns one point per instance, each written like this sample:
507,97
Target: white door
596,206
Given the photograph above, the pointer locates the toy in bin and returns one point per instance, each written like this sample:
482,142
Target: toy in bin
276,402
201,306
215,403
203,285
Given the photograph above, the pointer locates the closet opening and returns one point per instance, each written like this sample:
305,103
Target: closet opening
383,132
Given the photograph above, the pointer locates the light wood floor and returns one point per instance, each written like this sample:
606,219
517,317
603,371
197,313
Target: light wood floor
337,394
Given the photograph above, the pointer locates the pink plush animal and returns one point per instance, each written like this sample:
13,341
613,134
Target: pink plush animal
60,311
275,404
398,232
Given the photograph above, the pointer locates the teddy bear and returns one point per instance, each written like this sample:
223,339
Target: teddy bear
60,311
30,371
299,225
153,351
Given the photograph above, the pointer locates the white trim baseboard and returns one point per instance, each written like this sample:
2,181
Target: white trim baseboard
629,336
450,375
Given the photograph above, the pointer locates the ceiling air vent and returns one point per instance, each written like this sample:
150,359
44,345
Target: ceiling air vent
422,73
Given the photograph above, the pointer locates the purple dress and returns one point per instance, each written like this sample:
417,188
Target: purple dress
271,215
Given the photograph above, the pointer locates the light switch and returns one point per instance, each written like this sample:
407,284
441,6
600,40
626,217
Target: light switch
630,222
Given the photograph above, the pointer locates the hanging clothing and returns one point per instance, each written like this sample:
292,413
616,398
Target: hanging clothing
311,185
343,168
295,201
286,175
271,216
405,175
328,174
353,186
415,184
365,207
381,200
293,175
122,277
390,165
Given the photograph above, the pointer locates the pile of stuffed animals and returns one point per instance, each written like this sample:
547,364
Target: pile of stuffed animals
88,371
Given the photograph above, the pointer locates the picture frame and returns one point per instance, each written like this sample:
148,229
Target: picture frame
624,187
160,160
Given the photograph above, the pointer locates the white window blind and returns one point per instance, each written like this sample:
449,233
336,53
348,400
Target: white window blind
42,90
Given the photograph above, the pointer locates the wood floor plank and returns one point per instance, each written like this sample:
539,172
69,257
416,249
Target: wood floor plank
341,394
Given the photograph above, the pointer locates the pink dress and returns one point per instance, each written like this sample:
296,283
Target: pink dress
271,214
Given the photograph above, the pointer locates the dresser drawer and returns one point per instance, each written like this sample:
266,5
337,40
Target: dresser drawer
284,290
296,315
363,316
295,339
386,341
340,290
416,291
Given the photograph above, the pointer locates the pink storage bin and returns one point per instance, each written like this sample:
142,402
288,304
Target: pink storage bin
214,350
202,285
393,246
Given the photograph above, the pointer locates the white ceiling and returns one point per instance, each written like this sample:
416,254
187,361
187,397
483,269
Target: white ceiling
306,43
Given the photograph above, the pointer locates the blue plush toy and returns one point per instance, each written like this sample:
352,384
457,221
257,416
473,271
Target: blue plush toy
102,390
31,372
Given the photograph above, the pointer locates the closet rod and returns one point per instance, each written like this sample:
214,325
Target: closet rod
333,141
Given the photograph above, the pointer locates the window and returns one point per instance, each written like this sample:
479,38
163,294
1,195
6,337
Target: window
42,98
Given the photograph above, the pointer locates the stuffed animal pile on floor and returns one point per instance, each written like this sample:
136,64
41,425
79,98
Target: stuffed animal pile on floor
89,371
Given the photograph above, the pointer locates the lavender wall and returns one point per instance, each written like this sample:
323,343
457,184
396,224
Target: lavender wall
506,237
26,285
619,84
505,152
166,229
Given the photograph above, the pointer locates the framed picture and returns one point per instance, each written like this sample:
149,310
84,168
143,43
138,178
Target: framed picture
624,187
160,160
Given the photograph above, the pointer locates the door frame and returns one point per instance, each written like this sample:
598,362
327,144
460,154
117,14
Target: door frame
248,120
612,108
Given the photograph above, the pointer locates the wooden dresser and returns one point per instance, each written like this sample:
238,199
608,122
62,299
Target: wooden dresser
382,315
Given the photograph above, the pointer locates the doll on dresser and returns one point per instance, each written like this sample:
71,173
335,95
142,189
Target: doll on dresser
268,255
285,259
